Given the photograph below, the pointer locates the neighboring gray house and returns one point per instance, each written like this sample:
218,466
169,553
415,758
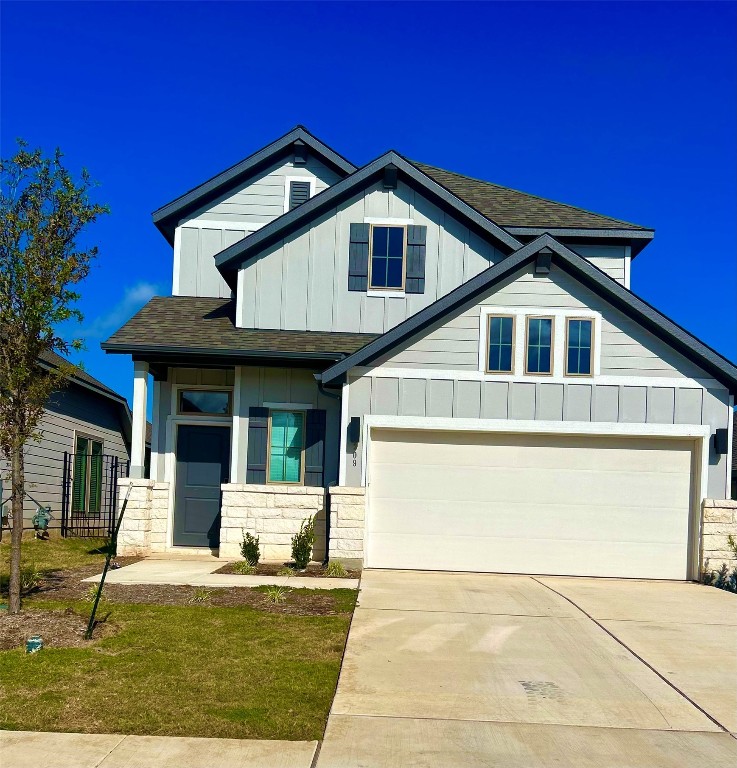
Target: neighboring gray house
85,418
457,371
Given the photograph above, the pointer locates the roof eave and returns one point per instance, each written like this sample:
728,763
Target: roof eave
152,351
167,217
637,239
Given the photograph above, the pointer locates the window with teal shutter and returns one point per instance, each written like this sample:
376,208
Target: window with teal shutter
286,446
87,480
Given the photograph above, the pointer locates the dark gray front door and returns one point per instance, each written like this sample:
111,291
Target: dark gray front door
203,464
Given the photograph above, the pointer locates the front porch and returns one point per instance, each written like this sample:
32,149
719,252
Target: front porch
213,473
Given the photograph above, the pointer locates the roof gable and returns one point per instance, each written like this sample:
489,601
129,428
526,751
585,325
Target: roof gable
230,259
167,217
619,297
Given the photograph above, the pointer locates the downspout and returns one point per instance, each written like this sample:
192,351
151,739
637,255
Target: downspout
326,498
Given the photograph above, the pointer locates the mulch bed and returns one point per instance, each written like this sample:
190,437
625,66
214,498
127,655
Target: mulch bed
66,585
62,628
313,570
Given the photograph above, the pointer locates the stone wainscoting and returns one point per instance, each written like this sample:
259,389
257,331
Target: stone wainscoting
143,530
274,513
347,515
719,520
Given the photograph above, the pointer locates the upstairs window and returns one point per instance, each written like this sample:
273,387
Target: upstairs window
387,258
501,344
539,352
578,347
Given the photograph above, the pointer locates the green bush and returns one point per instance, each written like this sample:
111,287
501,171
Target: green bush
302,543
336,569
276,594
285,571
250,549
244,568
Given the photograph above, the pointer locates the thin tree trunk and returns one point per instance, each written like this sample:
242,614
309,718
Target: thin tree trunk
18,491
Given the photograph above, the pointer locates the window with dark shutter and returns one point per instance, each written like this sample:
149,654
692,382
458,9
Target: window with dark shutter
315,448
358,257
258,432
416,246
299,192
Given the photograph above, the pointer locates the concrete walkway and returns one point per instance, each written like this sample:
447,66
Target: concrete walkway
24,749
471,670
200,572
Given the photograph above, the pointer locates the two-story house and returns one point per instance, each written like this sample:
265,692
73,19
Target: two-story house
451,374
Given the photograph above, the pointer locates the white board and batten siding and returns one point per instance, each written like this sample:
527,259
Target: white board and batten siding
71,411
641,381
231,218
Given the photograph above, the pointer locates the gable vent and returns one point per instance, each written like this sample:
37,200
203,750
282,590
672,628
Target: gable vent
299,192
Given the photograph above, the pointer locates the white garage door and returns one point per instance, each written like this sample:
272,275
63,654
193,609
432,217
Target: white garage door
585,506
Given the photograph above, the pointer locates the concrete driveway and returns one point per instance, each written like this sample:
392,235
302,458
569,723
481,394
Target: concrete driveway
450,669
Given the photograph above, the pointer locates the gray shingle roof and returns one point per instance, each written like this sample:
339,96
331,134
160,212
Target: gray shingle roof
511,208
186,323
54,360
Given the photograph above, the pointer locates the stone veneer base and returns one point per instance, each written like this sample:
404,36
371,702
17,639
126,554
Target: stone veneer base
719,521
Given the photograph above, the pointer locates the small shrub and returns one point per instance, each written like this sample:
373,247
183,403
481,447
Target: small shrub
302,543
250,549
276,594
90,595
336,569
30,577
244,568
287,570
724,578
200,595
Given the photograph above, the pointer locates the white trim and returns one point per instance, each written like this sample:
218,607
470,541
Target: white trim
385,294
468,375
235,458
730,437
388,221
342,447
520,315
627,266
138,424
698,432
239,290
177,261
237,226
289,406
289,179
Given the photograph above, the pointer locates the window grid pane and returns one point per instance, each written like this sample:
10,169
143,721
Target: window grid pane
387,257
500,344
579,347
285,450
539,337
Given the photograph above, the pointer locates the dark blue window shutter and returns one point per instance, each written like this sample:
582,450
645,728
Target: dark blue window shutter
258,432
416,240
315,448
299,192
358,257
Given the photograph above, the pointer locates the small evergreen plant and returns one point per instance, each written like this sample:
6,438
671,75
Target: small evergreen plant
302,543
250,549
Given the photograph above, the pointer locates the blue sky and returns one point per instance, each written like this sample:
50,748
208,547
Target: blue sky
627,109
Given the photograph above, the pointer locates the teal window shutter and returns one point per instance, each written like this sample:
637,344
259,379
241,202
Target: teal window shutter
358,257
258,426
416,248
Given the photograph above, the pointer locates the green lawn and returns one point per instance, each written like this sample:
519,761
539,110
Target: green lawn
194,670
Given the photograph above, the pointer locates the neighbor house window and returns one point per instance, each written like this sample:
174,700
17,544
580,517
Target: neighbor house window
387,258
578,347
286,446
87,475
204,401
501,344
539,352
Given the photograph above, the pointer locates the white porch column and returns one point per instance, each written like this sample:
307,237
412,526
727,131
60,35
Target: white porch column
138,437
239,435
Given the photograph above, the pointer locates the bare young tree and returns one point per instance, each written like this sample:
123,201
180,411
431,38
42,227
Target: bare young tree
44,210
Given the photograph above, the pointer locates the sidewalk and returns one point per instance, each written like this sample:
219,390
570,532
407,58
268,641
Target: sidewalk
28,749
199,572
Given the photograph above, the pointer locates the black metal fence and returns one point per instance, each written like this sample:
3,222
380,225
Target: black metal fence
89,494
